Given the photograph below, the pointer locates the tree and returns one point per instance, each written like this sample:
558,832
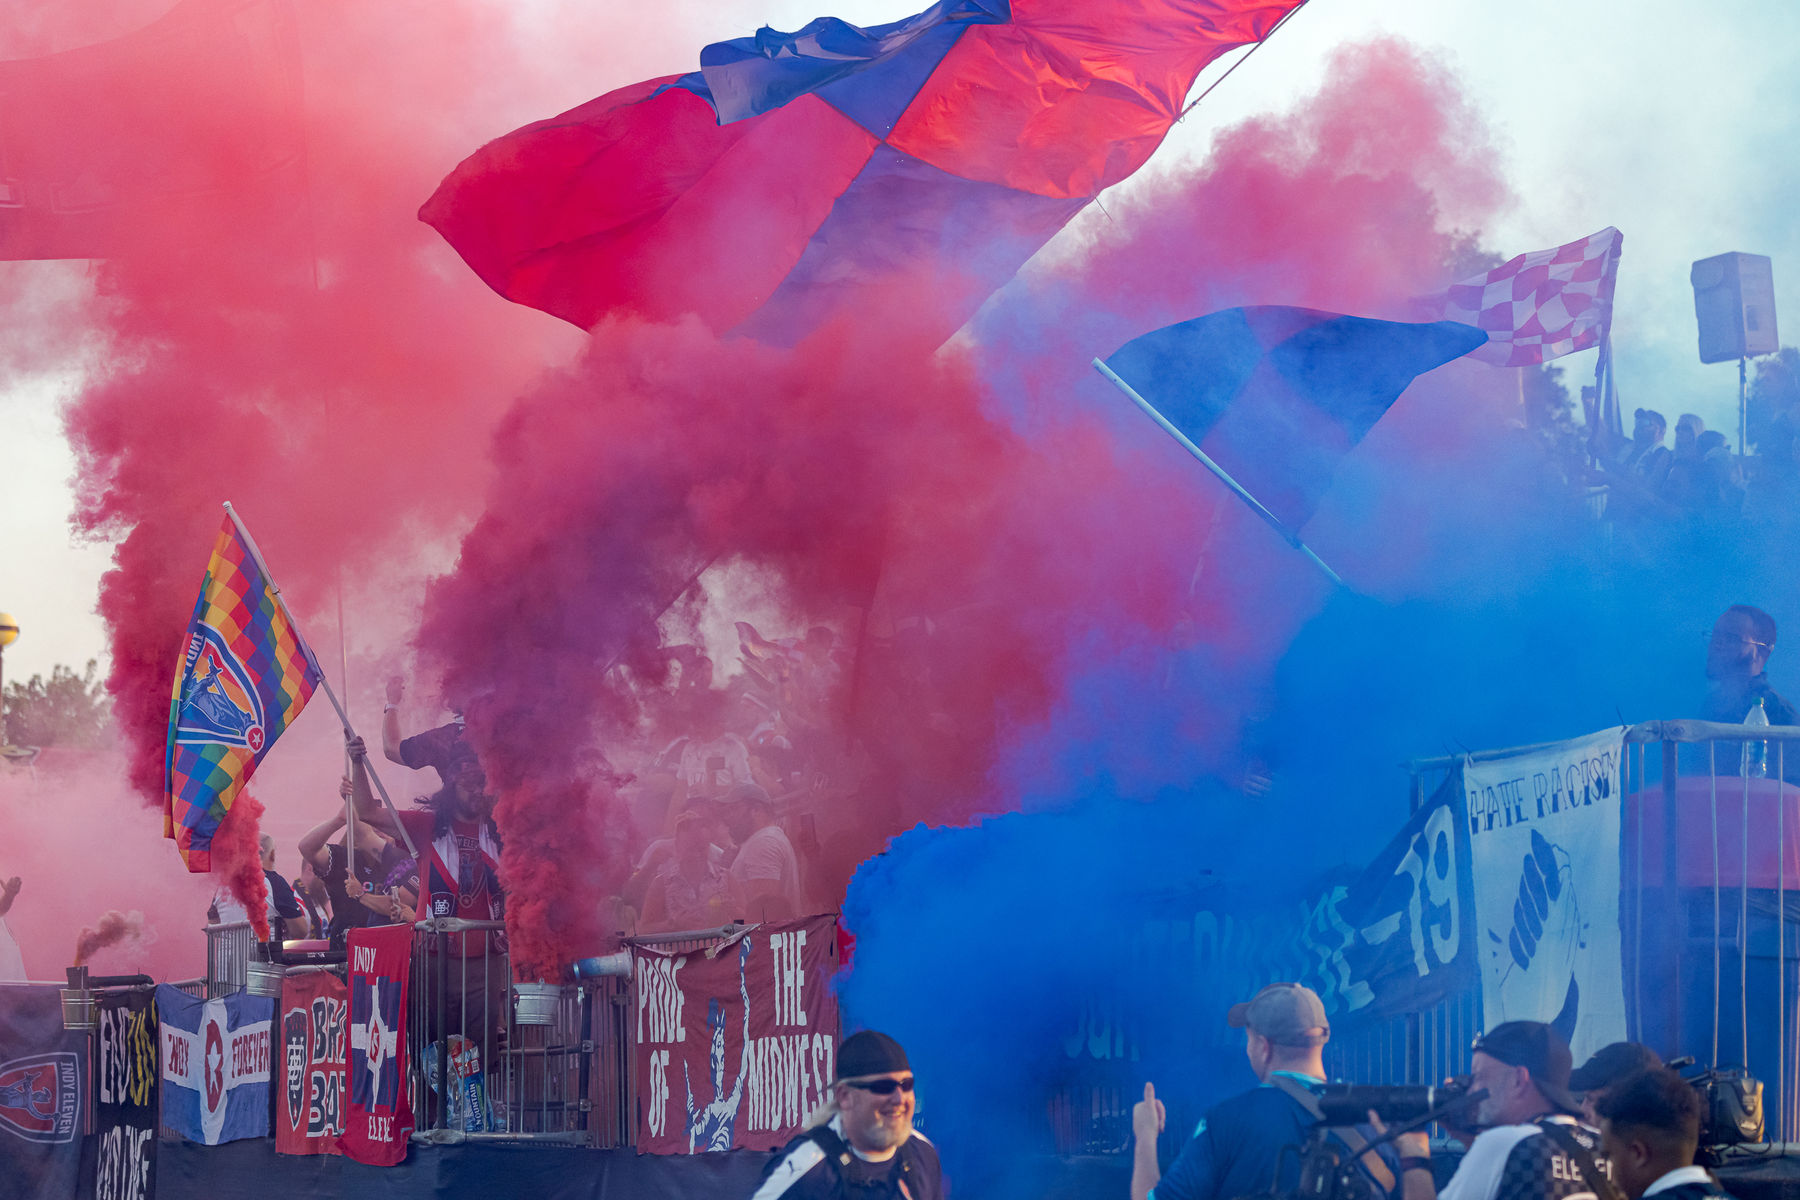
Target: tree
65,710
1773,408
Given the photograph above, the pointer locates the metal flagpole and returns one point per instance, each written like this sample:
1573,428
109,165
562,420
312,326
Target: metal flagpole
1255,505
324,683
344,680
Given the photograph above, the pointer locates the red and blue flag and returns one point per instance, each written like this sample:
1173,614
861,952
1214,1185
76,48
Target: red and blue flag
245,675
839,170
378,1119
1277,396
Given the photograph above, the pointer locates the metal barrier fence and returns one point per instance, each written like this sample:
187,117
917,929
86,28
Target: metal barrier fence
550,1063
1711,837
229,950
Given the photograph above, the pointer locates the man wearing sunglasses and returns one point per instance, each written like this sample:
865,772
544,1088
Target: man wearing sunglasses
1736,656
1240,1142
861,1145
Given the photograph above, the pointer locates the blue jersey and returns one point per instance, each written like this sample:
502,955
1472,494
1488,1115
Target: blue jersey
1235,1150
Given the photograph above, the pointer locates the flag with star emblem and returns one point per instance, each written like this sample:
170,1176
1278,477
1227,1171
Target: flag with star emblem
245,675
215,1064
378,1120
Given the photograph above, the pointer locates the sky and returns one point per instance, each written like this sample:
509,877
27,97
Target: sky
1674,121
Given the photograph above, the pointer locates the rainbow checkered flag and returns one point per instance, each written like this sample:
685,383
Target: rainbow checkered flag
245,675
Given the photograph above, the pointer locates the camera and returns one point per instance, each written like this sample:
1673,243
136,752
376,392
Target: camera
1731,1110
1351,1104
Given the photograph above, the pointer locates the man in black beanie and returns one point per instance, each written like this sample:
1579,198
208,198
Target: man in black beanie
861,1143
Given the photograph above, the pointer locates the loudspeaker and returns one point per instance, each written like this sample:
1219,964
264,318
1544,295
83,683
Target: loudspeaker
1734,302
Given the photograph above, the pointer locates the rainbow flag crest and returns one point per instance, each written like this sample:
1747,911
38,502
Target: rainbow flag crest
245,675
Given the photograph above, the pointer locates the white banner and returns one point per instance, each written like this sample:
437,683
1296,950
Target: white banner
1544,857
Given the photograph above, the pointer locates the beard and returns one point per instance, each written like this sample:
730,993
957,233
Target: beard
887,1133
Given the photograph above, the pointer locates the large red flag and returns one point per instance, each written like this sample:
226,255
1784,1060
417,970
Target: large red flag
837,170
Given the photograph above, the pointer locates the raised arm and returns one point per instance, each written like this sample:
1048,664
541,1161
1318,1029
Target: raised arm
313,841
368,808
1147,1120
390,720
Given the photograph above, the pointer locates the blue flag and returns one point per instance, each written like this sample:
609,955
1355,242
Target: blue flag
215,1065
43,1095
1277,396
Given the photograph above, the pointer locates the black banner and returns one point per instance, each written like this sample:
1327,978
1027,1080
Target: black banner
42,1072
1412,915
125,1081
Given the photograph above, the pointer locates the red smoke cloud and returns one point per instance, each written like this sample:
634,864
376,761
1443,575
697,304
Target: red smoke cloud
352,416
112,928
667,449
287,336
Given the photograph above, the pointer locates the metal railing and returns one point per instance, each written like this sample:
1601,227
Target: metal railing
1711,839
229,949
516,1061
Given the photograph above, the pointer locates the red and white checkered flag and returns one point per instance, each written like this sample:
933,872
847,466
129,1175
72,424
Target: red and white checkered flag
1541,305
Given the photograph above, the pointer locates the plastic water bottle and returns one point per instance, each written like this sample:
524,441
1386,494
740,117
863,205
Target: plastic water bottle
1756,754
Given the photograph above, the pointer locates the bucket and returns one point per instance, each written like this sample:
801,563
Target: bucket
78,1001
78,1009
264,979
536,1003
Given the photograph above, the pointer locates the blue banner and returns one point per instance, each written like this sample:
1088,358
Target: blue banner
215,1065
42,1095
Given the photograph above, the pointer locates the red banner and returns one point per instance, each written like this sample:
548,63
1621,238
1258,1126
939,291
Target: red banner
378,1119
735,1048
314,1028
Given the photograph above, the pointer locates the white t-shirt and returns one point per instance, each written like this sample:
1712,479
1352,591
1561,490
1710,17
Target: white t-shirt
231,912
12,963
767,854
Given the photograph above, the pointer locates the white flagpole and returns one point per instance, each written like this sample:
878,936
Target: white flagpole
1255,505
324,683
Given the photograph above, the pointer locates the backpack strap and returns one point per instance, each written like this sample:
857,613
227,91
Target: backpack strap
1357,1144
1597,1180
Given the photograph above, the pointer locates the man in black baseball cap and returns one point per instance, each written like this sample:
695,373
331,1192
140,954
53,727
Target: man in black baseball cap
862,1142
1608,1066
1237,1149
1531,1146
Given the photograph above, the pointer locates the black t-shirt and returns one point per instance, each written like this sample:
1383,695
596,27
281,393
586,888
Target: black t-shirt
286,903
347,913
442,749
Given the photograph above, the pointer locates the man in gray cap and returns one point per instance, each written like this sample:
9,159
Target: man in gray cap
862,1142
1238,1146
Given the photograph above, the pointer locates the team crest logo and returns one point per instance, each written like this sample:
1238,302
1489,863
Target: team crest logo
219,704
39,1097
294,1029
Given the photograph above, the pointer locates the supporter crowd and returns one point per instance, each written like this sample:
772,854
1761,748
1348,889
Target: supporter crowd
727,793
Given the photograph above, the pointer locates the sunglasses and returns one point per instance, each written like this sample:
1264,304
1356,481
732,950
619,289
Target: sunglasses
882,1087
